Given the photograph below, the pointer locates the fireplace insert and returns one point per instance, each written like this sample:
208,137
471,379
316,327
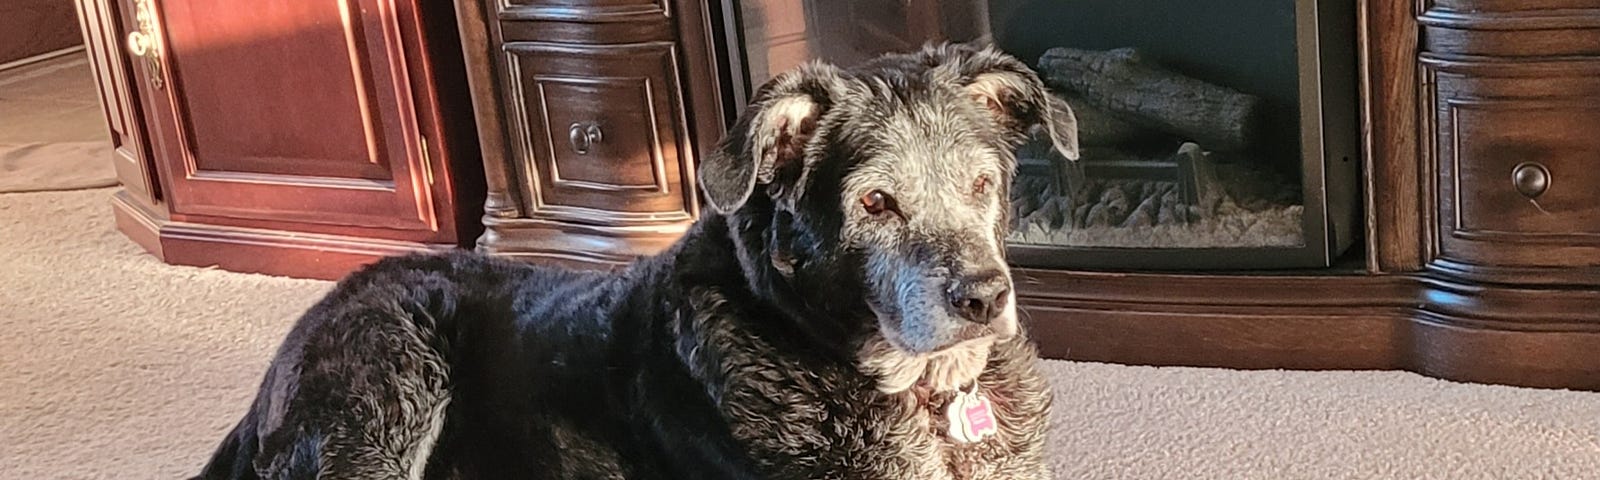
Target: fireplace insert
1217,134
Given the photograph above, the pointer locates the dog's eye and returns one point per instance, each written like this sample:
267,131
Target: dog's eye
877,203
981,185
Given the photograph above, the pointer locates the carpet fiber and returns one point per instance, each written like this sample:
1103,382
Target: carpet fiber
115,366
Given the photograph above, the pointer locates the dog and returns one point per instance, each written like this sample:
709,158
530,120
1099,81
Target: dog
843,310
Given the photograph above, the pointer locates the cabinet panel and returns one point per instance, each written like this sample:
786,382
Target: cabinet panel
324,84
604,132
298,112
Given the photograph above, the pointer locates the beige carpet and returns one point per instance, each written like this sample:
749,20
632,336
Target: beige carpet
115,366
52,131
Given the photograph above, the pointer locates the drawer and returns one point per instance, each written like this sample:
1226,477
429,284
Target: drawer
1512,5
1520,181
1512,33
601,131
586,11
1527,167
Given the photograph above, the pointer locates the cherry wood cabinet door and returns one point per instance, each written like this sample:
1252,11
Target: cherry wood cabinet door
315,114
104,25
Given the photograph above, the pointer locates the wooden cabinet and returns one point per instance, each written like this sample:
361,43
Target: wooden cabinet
297,138
1512,101
1482,258
1481,255
592,114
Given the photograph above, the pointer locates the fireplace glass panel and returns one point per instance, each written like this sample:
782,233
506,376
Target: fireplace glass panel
1192,118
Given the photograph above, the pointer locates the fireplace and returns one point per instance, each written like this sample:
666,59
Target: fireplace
1217,134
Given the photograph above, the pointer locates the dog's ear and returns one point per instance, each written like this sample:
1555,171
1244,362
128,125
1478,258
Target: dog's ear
1014,93
770,135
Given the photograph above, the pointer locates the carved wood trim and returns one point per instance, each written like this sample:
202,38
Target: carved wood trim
534,10
1578,18
479,49
1518,335
253,250
1395,198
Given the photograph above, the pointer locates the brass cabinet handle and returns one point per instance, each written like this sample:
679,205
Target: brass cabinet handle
583,136
1531,179
146,42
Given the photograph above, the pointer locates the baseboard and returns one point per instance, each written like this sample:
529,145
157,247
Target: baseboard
1524,336
21,62
251,250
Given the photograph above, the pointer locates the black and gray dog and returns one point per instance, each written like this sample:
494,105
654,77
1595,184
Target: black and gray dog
843,311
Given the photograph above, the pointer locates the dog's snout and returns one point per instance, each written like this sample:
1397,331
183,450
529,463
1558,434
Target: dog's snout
980,298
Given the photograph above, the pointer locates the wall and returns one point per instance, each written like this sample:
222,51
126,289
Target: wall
32,27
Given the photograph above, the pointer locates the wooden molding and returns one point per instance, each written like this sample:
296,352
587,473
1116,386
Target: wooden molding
252,250
1395,207
1426,323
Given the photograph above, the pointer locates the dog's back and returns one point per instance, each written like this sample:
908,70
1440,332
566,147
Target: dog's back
457,328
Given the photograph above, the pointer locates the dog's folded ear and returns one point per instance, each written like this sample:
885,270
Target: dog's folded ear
1013,92
770,135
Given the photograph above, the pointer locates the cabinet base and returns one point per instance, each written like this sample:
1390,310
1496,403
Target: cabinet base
1532,337
573,245
250,250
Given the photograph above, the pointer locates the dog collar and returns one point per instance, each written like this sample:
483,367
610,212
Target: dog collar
971,416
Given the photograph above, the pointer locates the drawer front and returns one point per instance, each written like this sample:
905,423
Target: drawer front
1526,169
587,11
601,131
1512,34
1516,160
1512,5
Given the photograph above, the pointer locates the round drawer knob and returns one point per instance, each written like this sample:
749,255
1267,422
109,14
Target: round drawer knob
584,135
1531,179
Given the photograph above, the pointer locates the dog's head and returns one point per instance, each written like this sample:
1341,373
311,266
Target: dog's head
878,194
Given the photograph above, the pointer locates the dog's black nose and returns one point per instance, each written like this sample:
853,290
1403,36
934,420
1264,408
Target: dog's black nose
980,298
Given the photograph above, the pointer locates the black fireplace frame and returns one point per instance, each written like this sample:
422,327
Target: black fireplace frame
1326,54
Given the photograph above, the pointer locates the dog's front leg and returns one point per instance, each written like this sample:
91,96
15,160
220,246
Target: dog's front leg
691,434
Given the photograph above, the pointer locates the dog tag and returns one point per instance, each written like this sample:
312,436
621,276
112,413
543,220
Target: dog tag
971,418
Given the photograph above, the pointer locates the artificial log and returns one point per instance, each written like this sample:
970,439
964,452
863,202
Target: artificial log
1098,127
1122,82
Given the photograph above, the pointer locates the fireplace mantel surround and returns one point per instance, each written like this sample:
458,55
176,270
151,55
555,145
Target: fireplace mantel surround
1479,257
1455,96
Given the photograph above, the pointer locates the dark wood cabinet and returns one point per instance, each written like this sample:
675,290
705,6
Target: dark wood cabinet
308,137
1510,100
592,114
1481,259
1482,255
297,138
